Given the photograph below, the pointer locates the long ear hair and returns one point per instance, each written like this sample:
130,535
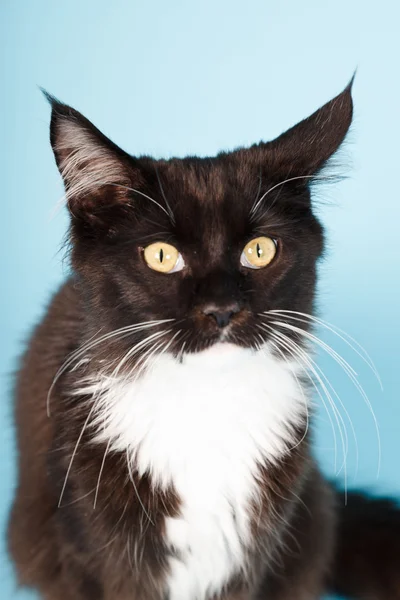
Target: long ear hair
96,172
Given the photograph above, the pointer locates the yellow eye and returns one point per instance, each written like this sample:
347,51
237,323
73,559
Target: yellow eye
163,257
258,253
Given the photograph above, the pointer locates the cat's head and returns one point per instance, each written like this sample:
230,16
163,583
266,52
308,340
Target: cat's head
206,246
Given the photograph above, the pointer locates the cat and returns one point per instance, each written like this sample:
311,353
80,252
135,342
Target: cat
163,403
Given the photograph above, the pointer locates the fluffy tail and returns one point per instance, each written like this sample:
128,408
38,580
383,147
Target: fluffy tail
367,562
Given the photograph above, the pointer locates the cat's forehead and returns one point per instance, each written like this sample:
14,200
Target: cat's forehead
208,182
211,200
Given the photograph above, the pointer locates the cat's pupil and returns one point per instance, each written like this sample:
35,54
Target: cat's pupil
161,255
259,251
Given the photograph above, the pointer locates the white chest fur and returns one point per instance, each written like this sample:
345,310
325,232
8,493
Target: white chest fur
204,426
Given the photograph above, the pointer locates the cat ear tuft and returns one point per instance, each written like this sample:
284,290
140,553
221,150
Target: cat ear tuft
305,148
91,165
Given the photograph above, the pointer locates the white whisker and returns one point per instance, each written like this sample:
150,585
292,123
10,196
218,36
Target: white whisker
293,350
167,211
311,366
181,351
170,212
328,382
154,351
346,368
121,332
291,347
343,335
135,349
315,339
145,360
258,203
135,488
301,392
74,453
100,474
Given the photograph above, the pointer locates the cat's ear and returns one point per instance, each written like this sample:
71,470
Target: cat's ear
95,171
303,150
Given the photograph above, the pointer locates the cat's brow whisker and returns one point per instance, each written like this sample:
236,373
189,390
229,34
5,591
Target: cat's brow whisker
170,211
167,211
86,185
274,202
258,203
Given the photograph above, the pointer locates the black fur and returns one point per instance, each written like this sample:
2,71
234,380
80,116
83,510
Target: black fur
205,207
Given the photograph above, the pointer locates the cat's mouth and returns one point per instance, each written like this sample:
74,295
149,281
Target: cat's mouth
223,343
201,335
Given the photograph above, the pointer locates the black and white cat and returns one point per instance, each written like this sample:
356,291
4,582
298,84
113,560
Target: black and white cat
163,404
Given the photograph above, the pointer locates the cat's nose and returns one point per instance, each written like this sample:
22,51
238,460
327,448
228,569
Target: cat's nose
223,315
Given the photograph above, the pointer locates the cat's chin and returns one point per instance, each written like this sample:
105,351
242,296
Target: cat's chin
220,352
223,348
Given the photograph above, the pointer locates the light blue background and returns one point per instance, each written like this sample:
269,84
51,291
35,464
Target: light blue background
177,77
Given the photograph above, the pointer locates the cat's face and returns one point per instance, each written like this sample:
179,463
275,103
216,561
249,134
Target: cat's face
207,245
